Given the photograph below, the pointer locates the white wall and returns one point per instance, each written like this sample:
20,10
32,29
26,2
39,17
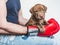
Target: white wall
53,10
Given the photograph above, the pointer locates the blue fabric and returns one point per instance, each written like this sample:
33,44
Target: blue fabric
13,6
21,40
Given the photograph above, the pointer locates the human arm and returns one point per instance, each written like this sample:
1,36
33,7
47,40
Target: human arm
15,28
11,27
21,19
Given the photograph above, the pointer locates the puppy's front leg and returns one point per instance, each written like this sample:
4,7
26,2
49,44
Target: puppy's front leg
45,22
41,28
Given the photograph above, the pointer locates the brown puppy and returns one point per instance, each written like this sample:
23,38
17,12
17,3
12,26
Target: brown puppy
38,17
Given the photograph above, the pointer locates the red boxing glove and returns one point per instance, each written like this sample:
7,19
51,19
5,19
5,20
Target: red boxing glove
51,28
32,30
59,27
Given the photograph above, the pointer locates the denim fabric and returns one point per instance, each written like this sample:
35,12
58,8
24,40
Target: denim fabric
21,40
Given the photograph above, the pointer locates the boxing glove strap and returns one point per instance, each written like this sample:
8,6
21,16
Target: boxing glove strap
33,31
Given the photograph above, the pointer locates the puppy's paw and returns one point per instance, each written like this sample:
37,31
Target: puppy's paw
42,30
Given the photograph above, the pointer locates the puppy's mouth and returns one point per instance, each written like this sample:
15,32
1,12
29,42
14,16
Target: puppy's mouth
39,17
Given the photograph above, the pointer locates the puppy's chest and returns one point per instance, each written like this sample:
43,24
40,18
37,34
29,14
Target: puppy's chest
36,22
40,22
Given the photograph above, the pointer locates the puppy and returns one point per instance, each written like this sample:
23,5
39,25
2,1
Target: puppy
38,17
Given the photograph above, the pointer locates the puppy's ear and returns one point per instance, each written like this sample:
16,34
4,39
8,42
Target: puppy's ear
45,8
32,10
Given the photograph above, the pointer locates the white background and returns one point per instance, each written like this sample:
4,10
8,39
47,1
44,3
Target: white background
53,11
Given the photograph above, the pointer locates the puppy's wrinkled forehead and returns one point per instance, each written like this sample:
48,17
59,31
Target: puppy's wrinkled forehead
40,7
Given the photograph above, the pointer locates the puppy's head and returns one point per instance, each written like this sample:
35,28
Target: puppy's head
38,11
